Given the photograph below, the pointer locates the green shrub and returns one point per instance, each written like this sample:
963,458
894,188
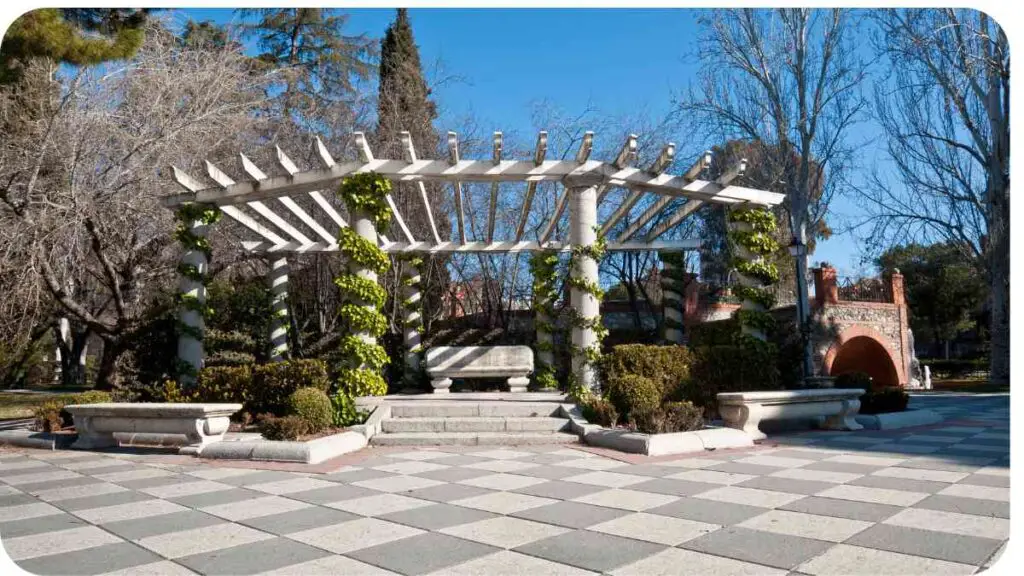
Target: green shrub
283,428
890,399
345,412
597,410
222,384
715,333
732,368
93,397
671,417
273,383
313,406
632,392
667,366
854,380
50,416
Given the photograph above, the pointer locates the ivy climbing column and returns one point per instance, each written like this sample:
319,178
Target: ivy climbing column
585,295
278,280
671,295
194,221
542,266
751,234
412,324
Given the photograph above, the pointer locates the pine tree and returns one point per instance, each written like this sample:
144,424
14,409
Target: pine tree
79,36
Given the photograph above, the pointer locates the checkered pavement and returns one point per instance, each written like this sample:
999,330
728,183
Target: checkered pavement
919,501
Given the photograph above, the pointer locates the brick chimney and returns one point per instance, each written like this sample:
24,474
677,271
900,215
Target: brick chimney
826,291
896,282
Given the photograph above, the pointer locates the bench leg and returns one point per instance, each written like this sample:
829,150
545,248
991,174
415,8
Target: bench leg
846,419
441,385
90,439
746,417
518,383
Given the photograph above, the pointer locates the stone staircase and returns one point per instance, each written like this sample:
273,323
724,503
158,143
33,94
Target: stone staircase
469,420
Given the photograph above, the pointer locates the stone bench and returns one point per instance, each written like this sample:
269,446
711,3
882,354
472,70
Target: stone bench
745,410
446,362
200,423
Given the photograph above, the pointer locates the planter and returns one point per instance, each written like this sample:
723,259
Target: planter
896,420
654,444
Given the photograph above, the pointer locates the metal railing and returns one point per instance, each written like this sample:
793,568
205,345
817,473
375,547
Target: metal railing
864,290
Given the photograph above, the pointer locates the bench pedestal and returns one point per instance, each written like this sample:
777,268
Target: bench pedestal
202,424
514,363
441,385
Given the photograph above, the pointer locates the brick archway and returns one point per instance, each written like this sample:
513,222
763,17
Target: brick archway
863,349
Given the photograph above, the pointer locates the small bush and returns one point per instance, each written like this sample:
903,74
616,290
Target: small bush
344,410
284,428
631,392
667,366
854,380
671,417
313,406
172,393
273,383
597,410
222,384
93,397
50,416
891,399
733,368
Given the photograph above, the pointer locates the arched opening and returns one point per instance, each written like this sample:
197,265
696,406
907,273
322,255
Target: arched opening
865,354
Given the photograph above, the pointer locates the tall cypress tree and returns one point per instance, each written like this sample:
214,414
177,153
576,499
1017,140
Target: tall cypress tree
404,105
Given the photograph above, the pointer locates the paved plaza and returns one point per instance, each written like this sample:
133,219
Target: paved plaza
929,500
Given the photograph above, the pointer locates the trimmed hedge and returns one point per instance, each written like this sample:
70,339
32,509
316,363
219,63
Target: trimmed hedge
284,428
667,366
597,410
890,399
50,416
260,389
633,392
954,367
313,406
729,368
671,417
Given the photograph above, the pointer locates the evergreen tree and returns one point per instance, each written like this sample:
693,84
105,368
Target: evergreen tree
79,36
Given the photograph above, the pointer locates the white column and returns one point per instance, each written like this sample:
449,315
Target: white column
544,337
363,226
190,349
672,304
582,221
413,320
278,281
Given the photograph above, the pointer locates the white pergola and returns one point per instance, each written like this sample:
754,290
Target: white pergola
267,207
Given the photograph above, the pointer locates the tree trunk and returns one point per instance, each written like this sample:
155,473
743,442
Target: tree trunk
107,372
946,349
999,256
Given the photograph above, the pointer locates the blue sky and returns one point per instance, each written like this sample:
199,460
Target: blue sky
617,60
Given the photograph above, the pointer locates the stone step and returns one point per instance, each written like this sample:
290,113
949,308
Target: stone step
473,438
476,424
462,409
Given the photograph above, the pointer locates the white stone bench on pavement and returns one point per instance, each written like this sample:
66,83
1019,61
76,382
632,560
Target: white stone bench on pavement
446,362
200,423
746,410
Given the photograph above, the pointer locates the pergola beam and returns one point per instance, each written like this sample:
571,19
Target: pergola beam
327,161
234,212
409,151
292,206
582,155
453,159
531,187
469,247
492,212
676,217
626,157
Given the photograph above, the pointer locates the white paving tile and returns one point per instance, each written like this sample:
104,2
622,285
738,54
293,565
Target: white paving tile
873,495
806,525
130,511
777,461
354,535
255,508
501,454
866,460
162,568
79,491
23,465
92,464
185,489
994,471
980,492
692,463
921,474
33,477
676,561
502,465
592,464
503,502
379,504
410,467
26,511
504,531
298,484
199,540
654,528
36,545
508,563
397,483
712,477
502,481
953,523
136,474
749,496
626,499
330,566
218,473
856,561
420,455
816,475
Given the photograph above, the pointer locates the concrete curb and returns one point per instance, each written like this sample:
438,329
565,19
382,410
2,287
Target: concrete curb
896,420
30,439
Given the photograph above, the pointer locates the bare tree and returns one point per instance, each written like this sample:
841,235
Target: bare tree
85,235
789,78
945,108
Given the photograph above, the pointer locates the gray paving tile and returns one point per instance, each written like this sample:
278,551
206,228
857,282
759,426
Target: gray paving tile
968,464
437,516
591,550
37,487
539,459
454,474
156,481
928,543
743,468
709,511
778,550
258,477
103,500
976,506
652,470
357,475
423,553
987,480
791,485
17,499
39,525
550,472
841,467
124,467
139,528
97,560
866,511
571,514
674,487
217,497
448,492
559,490
299,520
254,557
331,494
908,484
464,459
803,454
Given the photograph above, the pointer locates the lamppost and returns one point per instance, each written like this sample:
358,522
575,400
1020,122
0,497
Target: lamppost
803,310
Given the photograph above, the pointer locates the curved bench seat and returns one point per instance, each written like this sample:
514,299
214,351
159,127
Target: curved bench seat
746,410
